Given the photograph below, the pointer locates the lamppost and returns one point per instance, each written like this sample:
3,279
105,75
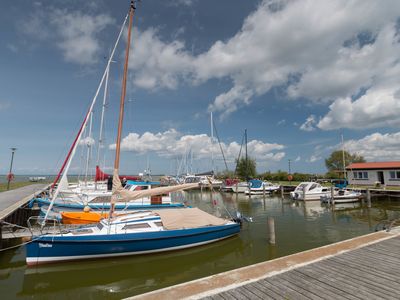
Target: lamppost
10,175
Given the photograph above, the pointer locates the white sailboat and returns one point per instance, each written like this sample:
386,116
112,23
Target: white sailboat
135,233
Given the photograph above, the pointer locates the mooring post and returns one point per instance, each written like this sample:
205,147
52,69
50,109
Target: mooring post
368,198
282,191
304,194
263,189
332,195
236,187
271,230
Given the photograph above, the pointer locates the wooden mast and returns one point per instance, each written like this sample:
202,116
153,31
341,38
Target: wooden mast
123,93
121,107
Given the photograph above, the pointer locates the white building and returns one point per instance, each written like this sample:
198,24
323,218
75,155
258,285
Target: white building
386,173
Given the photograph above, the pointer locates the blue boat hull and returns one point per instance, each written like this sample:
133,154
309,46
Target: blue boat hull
47,249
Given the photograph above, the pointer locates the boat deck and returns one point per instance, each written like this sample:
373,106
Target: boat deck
366,267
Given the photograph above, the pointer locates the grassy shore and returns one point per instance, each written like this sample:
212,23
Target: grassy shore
14,185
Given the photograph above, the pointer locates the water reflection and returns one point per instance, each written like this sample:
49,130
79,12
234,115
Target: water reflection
299,226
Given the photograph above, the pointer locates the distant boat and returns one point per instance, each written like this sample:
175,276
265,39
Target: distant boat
259,187
37,178
309,191
342,196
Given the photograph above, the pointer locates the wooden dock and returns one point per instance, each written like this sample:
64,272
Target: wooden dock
11,200
366,267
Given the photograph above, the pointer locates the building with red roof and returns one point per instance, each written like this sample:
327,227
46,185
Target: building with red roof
370,173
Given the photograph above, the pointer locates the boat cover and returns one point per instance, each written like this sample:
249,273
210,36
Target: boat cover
184,218
121,194
255,183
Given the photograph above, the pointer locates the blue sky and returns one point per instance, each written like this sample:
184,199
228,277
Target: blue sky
296,74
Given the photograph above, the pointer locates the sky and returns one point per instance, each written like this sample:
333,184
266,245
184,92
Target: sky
298,75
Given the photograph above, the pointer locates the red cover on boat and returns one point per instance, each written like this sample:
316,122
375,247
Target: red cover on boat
229,182
101,176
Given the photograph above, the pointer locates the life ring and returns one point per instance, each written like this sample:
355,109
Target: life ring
10,176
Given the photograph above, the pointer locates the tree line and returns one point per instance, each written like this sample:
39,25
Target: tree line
335,164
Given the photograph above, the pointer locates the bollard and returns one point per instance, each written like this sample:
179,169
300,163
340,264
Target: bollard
332,195
271,230
368,198
282,191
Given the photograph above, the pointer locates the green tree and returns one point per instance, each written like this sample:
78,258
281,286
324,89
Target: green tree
246,169
334,163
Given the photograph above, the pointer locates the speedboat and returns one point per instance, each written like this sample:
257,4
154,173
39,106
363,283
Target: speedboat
342,196
258,187
309,191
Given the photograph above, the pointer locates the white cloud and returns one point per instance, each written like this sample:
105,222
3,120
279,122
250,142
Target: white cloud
4,105
281,122
156,63
88,141
321,51
298,158
309,124
314,158
75,33
171,143
376,147
79,34
12,48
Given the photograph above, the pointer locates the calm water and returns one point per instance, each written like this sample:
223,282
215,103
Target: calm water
298,227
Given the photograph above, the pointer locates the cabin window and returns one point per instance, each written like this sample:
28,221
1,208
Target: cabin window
313,186
394,175
136,226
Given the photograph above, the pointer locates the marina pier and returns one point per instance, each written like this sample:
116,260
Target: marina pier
365,267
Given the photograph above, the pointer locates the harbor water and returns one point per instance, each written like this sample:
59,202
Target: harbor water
299,226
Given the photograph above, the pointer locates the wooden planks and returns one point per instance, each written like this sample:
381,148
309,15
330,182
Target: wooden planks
371,272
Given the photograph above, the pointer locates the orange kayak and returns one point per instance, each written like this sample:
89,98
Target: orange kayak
82,217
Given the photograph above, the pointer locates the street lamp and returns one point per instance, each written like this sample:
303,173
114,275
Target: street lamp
10,175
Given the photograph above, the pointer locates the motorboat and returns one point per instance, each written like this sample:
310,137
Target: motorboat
342,196
309,191
259,187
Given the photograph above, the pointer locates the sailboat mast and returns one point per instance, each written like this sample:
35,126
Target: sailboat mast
103,107
344,162
212,142
89,147
123,93
247,163
71,153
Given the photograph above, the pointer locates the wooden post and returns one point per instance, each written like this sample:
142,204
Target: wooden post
271,230
368,198
304,194
236,187
282,191
263,189
332,195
